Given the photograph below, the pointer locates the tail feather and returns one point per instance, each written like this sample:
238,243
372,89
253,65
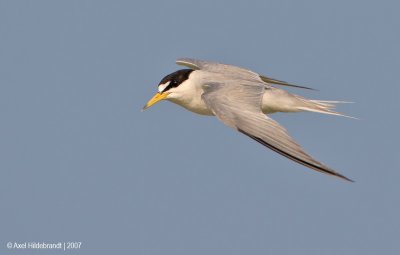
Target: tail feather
331,102
278,100
322,106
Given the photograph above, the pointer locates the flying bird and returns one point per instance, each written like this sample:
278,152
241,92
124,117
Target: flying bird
242,100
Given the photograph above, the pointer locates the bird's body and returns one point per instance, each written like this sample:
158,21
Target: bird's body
240,98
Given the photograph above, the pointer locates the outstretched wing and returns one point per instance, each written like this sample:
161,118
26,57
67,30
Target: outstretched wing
237,104
233,71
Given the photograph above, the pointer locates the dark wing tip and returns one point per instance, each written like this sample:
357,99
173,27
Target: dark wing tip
282,83
343,177
319,168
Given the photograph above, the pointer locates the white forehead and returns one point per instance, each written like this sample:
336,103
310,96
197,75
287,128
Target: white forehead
162,87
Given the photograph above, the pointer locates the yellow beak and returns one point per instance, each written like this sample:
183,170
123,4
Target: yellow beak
156,98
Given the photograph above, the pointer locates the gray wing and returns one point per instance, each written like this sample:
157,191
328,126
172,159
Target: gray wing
233,71
241,111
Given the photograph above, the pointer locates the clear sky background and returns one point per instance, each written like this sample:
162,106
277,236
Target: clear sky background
80,162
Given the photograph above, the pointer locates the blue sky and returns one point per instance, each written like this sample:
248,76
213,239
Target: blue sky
80,162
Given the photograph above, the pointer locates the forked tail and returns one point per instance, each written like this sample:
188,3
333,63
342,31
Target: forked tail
322,106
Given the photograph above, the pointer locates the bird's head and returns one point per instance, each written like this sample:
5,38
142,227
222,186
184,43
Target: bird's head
169,86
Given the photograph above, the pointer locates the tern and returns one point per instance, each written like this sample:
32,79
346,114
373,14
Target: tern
242,100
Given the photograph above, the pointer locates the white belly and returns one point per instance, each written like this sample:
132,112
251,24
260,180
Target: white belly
277,100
